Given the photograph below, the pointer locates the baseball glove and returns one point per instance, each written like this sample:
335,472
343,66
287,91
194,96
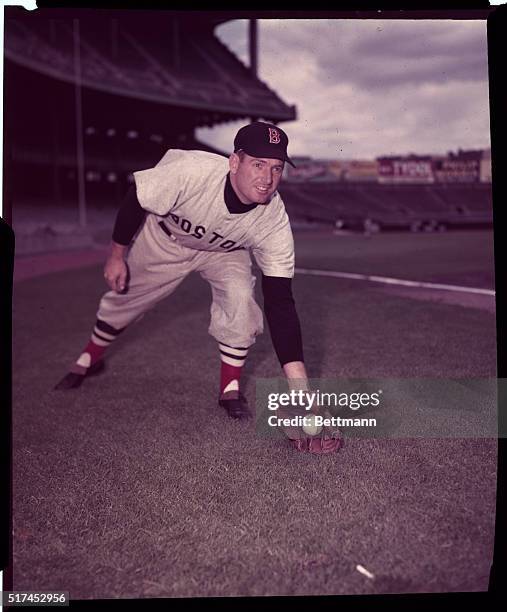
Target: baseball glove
327,440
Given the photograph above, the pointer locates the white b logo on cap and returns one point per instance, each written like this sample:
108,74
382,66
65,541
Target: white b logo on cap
274,136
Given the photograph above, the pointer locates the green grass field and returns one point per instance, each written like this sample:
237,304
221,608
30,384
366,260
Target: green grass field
460,258
136,485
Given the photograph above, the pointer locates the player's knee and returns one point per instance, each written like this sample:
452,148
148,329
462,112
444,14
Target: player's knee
239,293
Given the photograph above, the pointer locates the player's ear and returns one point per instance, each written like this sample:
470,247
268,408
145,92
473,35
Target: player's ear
234,163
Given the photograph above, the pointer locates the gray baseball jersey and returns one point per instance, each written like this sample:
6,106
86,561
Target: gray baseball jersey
186,189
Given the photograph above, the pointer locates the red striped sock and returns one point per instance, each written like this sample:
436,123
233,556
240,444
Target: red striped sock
95,351
90,355
232,360
228,373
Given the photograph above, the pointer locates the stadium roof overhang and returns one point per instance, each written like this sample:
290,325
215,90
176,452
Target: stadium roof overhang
202,74
214,108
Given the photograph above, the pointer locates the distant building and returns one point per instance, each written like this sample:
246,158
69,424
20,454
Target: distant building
485,171
460,167
408,169
331,170
336,168
308,169
361,170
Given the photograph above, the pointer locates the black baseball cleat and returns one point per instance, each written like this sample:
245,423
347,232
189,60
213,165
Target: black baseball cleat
73,380
236,408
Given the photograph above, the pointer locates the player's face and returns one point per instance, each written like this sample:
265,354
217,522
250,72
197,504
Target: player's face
255,179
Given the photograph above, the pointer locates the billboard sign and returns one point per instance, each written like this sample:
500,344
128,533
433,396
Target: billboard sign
405,170
457,170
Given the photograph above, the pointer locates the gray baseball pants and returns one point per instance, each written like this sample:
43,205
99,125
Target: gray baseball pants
158,264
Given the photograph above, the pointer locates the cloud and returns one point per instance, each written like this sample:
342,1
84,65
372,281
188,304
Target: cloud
382,54
364,88
416,39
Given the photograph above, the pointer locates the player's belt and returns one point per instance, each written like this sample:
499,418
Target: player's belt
166,230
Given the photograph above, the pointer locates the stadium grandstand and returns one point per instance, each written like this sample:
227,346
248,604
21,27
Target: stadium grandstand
126,84
392,207
394,193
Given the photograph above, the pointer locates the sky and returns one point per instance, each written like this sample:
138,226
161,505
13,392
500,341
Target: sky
365,88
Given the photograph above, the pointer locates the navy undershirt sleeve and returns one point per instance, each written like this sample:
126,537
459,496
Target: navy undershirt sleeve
129,218
283,320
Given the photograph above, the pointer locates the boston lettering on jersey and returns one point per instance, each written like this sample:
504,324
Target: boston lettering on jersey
195,188
199,231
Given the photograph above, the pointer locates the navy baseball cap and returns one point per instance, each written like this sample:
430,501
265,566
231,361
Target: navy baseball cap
259,139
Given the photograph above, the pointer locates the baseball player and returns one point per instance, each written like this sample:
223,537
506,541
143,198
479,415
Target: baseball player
199,212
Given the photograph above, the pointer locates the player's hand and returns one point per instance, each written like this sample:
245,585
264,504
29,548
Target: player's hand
115,273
